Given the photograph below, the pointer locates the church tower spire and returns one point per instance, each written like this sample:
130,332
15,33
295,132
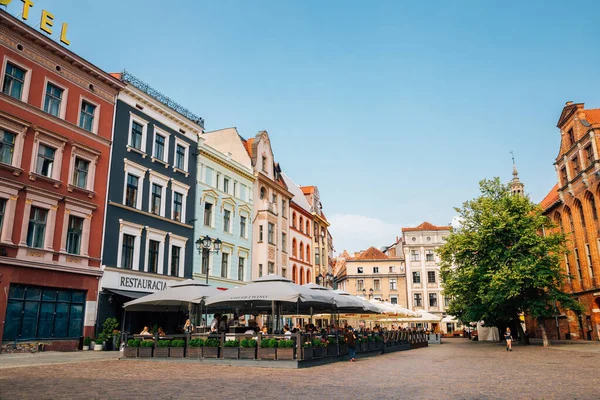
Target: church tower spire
516,186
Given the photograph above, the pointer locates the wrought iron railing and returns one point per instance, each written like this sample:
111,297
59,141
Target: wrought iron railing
167,101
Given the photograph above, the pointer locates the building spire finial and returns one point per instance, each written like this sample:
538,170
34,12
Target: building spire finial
515,173
516,186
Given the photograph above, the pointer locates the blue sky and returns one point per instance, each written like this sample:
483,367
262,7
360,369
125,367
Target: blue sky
395,110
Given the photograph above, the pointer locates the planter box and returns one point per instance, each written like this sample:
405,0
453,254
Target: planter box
210,352
131,352
98,347
266,353
307,353
85,348
247,353
372,346
332,350
194,352
319,352
286,354
176,352
343,349
161,352
231,353
362,346
145,352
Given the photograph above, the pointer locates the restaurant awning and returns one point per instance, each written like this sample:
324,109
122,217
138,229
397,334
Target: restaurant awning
127,293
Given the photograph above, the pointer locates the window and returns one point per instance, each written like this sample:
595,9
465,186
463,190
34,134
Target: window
392,269
571,137
2,211
283,203
14,81
153,255
175,260
393,300
359,270
447,301
260,270
208,214
592,206
53,99
205,261
393,284
430,276
180,153
568,267
417,300
324,258
235,185
226,185
127,251
414,255
208,176
80,172
360,285
34,312
243,192
137,133
274,201
241,263
227,221
260,233
271,268
308,228
416,275
429,255
264,164
218,183
432,299
576,168
159,147
132,191
224,265
589,152
86,116
284,242
263,193
271,233
589,261
45,160
317,259
7,147
375,270
37,227
293,220
156,199
177,206
284,272
242,226
74,234
578,265
563,174
376,285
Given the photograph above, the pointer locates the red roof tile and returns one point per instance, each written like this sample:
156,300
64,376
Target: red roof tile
248,146
550,199
307,189
592,116
116,75
372,254
426,226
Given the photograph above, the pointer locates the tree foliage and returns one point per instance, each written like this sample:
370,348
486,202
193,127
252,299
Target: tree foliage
498,263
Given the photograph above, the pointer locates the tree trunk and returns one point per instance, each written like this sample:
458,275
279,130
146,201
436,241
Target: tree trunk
545,340
525,339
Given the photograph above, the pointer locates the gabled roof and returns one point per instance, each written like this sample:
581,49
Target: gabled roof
295,190
372,254
592,116
307,189
550,199
426,226
346,255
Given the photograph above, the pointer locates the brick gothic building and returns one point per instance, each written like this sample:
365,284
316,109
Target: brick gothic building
56,115
573,205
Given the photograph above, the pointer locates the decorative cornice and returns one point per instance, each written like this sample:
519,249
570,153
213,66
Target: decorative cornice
24,263
135,210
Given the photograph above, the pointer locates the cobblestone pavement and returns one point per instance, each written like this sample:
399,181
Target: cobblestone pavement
14,360
458,369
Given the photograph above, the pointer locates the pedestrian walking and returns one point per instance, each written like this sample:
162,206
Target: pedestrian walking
350,340
508,337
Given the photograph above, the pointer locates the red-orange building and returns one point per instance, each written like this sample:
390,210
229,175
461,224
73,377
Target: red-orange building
56,119
573,205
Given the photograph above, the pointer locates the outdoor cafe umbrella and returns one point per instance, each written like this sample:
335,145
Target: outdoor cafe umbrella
179,294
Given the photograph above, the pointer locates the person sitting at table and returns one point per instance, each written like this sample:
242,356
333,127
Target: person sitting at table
264,330
161,332
188,328
145,331
214,325
286,331
223,324
234,321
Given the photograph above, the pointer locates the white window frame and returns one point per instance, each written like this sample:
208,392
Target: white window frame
129,228
144,123
158,179
83,98
167,136
50,140
63,101
9,191
229,182
205,180
183,189
81,210
227,229
47,201
179,241
159,236
19,129
245,215
229,251
139,171
26,84
186,159
90,155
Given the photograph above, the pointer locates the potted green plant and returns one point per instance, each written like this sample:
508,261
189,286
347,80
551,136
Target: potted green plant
194,349
145,350
319,347
307,351
108,333
343,346
211,348
162,349
131,350
286,349
363,343
267,349
331,346
97,344
372,345
248,350
231,349
86,343
378,342
177,348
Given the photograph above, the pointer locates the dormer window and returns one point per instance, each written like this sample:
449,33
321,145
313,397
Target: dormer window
264,163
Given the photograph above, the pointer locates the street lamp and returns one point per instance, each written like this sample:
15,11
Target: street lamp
329,278
365,292
206,243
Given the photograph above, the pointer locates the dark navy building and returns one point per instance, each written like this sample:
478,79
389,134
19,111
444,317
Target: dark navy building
149,232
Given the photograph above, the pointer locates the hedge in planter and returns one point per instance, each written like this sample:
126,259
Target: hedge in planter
231,349
146,347
162,348
132,348
319,348
194,349
248,350
267,350
307,351
211,348
177,348
332,347
286,349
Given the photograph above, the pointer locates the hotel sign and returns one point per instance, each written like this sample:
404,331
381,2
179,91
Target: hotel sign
46,20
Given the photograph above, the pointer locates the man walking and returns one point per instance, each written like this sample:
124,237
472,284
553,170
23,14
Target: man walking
350,340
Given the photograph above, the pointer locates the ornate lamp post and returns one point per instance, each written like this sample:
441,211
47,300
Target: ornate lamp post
210,245
329,278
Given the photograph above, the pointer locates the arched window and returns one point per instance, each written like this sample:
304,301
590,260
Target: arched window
307,253
295,274
308,275
294,248
580,211
263,193
294,219
301,251
592,203
570,218
301,276
558,221
308,228
301,223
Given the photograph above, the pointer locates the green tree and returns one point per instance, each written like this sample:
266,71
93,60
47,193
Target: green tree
504,260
